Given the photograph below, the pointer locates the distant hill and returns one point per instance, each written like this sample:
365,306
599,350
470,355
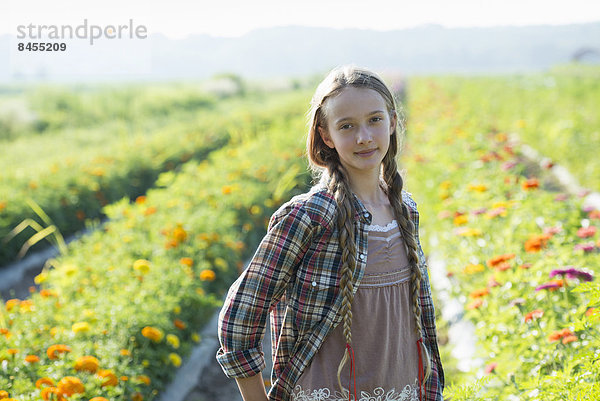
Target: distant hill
297,50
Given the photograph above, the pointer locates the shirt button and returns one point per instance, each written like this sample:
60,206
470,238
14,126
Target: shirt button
314,283
361,256
367,215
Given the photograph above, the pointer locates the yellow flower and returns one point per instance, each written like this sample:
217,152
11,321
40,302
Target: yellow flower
255,209
460,220
220,262
144,379
207,275
175,359
173,340
473,268
177,310
477,187
80,327
152,333
195,337
142,265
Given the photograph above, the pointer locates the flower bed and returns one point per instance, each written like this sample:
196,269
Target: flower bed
522,256
116,315
72,173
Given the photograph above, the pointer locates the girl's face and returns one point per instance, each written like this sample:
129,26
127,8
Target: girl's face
359,128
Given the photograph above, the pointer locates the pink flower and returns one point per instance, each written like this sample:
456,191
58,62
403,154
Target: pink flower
552,230
586,247
479,211
585,232
508,165
561,197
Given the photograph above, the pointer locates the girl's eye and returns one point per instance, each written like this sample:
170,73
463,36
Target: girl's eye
346,126
376,119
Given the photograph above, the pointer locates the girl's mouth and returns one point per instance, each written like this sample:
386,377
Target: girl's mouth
366,153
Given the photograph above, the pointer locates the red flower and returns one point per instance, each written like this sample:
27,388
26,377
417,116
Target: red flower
535,314
490,367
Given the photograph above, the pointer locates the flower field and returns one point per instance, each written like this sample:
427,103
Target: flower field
89,155
522,256
128,300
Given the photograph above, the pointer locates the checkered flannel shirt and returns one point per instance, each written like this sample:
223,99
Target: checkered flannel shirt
294,278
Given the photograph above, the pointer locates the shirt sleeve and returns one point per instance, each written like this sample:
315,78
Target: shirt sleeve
436,381
242,320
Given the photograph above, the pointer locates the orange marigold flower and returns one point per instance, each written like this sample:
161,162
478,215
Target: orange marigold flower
48,293
3,394
186,261
475,304
12,351
535,243
32,358
70,385
569,339
140,199
87,363
110,379
144,379
44,381
535,314
54,350
179,234
11,303
98,399
531,183
179,324
479,293
590,312
125,352
207,275
52,393
152,333
150,210
497,260
137,397
557,335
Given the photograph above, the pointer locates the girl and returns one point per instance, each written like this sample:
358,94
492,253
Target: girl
340,271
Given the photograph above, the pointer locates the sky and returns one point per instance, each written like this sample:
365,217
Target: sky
179,18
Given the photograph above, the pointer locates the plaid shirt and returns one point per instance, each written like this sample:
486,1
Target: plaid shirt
294,277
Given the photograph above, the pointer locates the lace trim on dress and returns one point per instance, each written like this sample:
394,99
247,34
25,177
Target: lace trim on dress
382,229
408,393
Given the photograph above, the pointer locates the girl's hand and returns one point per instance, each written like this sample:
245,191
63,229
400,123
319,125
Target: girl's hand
252,388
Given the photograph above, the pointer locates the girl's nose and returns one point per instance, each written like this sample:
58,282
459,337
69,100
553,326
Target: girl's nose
364,135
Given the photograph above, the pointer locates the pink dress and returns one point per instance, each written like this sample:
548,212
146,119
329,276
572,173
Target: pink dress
383,332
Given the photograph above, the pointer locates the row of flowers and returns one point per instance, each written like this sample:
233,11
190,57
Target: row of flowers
73,173
522,257
121,310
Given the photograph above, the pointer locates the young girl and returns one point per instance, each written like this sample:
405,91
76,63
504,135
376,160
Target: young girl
340,271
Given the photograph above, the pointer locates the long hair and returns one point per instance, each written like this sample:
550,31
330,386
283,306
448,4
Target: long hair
326,166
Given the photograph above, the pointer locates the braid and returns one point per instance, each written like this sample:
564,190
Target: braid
394,183
341,188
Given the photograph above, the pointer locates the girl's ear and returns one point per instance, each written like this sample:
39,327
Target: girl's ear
325,137
393,122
